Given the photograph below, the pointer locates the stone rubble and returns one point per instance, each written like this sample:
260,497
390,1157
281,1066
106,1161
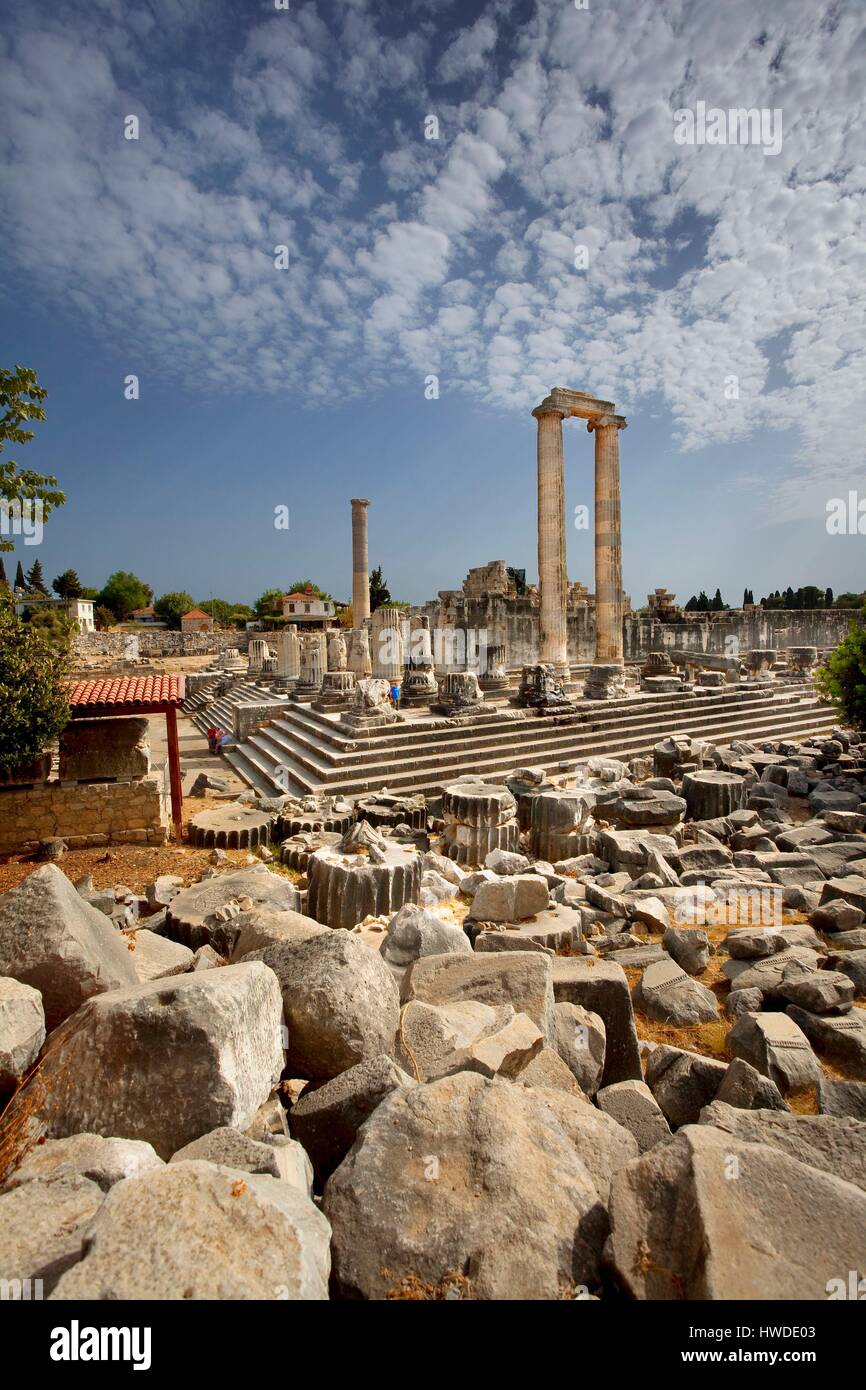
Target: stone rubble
504,1044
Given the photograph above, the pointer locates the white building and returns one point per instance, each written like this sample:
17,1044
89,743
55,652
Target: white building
78,610
307,607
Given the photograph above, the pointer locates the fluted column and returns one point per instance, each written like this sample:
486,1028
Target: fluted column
608,543
552,577
360,563
386,633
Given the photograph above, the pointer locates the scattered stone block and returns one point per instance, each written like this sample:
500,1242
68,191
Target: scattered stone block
156,957
102,1161
683,1082
777,1048
666,993
340,1000
745,1087
273,1241
522,979
42,1227
326,1120
633,1105
830,1144
52,940
581,1042
601,987
841,1040
22,1030
413,933
454,1154
689,946
221,1027
202,915
281,1158
510,899
778,1232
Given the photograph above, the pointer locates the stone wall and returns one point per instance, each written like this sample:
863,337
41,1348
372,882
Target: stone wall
159,642
737,632
84,814
455,619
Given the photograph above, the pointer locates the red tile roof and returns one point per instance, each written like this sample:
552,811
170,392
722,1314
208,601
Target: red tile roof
195,613
126,692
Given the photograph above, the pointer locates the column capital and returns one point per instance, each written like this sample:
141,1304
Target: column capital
600,422
548,407
360,502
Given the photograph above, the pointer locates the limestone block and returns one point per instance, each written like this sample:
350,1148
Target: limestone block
115,747
222,1027
51,939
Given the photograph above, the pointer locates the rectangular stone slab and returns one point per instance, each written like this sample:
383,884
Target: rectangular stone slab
602,987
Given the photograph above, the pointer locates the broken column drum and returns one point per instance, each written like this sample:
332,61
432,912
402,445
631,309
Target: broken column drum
711,795
358,652
541,688
366,875
558,825
478,817
495,677
759,661
258,650
337,692
460,693
419,686
312,662
337,652
801,660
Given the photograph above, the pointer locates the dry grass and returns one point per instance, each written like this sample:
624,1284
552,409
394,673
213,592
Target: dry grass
134,866
414,1289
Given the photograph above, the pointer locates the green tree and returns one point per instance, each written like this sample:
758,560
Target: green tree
219,610
4,582
301,585
103,617
68,585
21,399
379,592
268,603
32,691
843,679
20,581
241,614
123,593
53,624
828,599
36,579
172,606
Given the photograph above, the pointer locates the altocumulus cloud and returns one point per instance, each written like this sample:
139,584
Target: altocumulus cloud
458,255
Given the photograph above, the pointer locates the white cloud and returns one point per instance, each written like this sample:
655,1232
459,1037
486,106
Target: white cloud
703,261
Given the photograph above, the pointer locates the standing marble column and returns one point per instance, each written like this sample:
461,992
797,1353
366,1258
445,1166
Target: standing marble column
552,577
360,563
386,644
288,654
607,674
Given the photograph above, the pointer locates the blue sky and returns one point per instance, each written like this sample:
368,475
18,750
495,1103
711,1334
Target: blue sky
408,257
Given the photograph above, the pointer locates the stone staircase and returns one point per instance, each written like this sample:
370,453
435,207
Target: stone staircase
305,752
218,711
